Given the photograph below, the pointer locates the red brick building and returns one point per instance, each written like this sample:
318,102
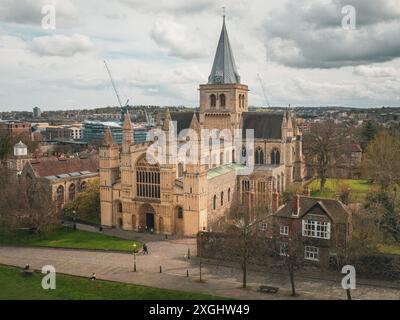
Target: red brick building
319,229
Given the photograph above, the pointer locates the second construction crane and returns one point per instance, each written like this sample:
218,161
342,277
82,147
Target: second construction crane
263,90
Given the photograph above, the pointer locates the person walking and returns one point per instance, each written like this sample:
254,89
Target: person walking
145,249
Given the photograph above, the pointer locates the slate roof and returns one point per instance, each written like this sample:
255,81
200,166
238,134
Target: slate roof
266,125
335,208
183,119
224,68
53,166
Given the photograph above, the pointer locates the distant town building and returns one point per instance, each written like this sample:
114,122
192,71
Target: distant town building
64,177
37,113
75,132
15,129
19,158
94,131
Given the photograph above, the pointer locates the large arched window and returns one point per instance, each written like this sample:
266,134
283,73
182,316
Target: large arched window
261,191
147,179
242,102
71,192
214,202
222,100
82,186
245,189
275,157
60,196
213,101
259,156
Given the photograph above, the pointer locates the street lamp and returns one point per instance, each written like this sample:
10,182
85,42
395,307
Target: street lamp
134,257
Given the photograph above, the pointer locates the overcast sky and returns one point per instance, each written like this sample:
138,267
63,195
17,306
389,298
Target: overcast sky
160,51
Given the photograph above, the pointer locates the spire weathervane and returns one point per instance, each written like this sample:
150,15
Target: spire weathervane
223,12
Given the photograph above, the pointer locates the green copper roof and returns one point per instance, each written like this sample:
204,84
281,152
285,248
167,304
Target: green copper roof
218,171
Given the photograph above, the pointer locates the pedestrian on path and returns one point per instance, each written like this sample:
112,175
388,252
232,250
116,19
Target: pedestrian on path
145,249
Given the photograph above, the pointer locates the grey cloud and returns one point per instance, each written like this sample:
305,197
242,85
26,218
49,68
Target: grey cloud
310,35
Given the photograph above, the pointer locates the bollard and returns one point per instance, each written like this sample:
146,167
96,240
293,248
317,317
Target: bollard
188,255
187,273
160,269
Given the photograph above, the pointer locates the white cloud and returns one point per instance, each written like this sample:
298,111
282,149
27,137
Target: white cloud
61,45
176,39
375,72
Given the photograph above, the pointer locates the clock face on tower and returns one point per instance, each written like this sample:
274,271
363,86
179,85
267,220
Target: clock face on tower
219,77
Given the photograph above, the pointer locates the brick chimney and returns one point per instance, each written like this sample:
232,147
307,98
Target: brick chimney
307,192
296,207
275,201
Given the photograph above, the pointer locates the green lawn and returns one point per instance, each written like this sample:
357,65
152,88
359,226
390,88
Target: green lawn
67,238
14,286
390,249
359,188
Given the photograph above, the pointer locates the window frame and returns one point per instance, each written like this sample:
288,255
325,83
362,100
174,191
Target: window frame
311,253
284,230
312,228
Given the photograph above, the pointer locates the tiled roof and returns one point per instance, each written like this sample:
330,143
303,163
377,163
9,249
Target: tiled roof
266,125
46,167
183,120
335,208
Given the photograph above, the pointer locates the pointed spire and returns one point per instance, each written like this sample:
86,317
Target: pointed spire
127,122
167,120
224,68
194,124
108,138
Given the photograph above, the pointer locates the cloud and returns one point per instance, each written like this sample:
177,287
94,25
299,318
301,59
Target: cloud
309,34
176,7
61,45
375,72
30,12
176,40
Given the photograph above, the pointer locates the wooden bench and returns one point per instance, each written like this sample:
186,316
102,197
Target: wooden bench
27,273
268,289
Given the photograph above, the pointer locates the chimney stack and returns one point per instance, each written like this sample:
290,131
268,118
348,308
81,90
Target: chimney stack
307,192
296,208
275,201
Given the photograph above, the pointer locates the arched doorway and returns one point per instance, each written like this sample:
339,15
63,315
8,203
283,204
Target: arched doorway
147,218
118,220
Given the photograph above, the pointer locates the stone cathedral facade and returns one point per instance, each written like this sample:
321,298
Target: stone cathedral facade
184,198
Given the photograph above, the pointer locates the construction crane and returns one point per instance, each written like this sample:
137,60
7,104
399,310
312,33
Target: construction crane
263,90
114,86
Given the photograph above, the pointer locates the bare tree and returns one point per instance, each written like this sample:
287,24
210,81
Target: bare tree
25,203
245,218
380,162
324,143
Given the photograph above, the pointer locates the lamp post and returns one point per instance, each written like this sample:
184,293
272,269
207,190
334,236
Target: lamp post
200,258
134,257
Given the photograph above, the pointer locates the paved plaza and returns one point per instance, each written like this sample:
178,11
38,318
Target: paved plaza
171,255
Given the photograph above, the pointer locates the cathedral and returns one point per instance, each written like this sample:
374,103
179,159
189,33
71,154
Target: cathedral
183,198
